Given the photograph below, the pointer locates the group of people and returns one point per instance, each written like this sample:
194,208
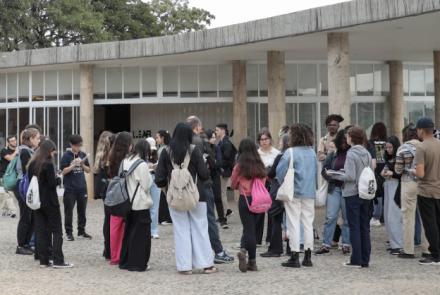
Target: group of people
407,193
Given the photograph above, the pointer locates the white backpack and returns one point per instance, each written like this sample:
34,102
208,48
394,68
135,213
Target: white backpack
367,184
33,194
287,188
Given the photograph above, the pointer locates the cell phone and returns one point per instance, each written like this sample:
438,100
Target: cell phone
85,158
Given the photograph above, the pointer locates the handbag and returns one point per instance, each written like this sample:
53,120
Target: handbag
287,189
321,195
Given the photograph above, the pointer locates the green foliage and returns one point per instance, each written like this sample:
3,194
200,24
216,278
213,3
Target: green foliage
28,24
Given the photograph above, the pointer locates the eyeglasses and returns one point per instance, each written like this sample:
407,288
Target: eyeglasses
264,139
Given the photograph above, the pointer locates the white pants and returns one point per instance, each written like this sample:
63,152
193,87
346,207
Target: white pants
7,204
224,187
300,211
191,239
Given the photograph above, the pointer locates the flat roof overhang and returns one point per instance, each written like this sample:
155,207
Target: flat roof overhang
379,30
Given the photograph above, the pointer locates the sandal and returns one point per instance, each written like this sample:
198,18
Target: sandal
210,270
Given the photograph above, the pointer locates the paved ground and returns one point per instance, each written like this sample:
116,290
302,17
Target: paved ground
93,275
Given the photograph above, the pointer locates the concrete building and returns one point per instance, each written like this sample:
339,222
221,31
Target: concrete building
370,60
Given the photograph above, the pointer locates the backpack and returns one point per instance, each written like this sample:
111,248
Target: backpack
182,194
367,184
23,187
18,166
10,177
261,200
117,198
33,193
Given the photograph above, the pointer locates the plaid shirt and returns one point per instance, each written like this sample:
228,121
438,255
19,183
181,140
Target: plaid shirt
405,160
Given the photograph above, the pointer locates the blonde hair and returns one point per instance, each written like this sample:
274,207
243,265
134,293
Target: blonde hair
102,150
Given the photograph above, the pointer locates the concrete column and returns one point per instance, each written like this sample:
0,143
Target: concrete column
339,75
87,119
276,83
395,100
437,88
239,101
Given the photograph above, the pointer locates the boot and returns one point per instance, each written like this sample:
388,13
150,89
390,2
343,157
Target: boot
293,261
252,265
288,250
307,261
242,263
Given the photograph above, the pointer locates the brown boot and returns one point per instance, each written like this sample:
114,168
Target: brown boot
242,263
252,265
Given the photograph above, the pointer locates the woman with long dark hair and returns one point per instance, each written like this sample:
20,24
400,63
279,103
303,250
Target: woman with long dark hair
392,214
136,245
301,210
120,149
163,140
190,228
48,226
249,167
100,168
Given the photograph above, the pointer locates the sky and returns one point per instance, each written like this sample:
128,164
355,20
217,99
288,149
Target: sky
228,12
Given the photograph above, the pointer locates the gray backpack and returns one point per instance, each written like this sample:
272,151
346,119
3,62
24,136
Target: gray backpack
182,194
117,198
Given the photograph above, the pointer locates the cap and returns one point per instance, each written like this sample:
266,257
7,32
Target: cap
333,117
425,123
152,142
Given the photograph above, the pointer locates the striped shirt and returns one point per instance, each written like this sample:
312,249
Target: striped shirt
405,160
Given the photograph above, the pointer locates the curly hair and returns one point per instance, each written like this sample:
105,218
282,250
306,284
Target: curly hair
102,150
300,135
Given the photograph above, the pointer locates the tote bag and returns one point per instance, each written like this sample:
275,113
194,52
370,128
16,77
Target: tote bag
287,188
321,195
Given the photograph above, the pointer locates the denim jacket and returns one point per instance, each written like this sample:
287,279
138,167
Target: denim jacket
306,166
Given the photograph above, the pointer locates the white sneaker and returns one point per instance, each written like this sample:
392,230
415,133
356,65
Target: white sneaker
155,237
375,222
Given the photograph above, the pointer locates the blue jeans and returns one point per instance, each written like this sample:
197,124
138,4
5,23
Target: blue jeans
358,215
378,208
214,236
335,202
154,210
418,229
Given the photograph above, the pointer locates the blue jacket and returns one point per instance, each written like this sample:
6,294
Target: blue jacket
306,167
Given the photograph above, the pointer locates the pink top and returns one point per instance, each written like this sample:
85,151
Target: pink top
241,183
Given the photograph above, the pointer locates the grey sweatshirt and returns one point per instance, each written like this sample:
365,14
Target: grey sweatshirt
357,159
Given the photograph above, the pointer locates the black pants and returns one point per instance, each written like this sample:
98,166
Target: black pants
81,204
25,226
217,190
337,234
358,215
214,236
248,220
259,227
430,213
49,230
136,245
106,232
276,236
164,212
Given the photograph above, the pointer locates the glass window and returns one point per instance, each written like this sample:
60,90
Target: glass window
405,80
365,115
353,114
262,76
307,80
2,127
76,87
252,119
170,81
323,80
208,81
149,82
291,80
2,87
252,80
417,80
414,111
429,81
39,118
50,85
53,127
99,83
37,86
353,80
381,80
67,127
364,80
379,115
131,82
23,118
225,80
291,113
264,115
323,116
12,121
188,81
12,87
114,83
23,86
429,110
307,115
65,84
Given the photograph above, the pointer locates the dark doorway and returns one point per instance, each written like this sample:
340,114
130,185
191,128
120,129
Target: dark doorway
114,118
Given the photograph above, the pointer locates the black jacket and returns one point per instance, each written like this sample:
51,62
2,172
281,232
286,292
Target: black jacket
47,182
228,152
196,167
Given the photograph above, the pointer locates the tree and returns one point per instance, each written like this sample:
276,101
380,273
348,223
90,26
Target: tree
28,24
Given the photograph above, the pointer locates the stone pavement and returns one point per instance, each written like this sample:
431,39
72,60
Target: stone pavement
93,275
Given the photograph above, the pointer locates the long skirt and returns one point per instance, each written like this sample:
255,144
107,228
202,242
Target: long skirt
136,245
116,235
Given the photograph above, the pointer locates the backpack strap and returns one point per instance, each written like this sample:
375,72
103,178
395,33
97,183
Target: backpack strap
132,167
186,161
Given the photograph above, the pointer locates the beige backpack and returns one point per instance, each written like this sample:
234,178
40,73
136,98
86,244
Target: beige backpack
182,194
